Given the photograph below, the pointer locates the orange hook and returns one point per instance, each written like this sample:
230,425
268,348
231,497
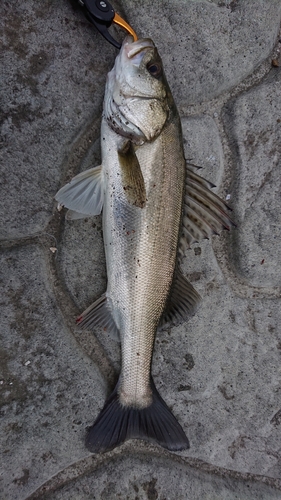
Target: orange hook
118,20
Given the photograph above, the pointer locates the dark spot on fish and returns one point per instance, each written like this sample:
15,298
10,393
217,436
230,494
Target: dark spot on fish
262,262
197,251
128,232
138,353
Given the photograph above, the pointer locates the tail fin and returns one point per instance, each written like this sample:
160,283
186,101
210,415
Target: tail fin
117,423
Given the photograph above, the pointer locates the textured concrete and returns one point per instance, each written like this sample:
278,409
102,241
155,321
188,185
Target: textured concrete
220,371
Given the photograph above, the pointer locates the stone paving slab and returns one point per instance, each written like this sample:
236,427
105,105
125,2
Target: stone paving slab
139,476
46,380
209,45
50,55
254,123
220,371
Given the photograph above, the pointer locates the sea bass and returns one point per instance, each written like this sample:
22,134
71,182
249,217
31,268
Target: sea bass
154,207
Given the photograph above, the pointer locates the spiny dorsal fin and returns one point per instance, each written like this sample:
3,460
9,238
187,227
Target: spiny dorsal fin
99,314
182,302
132,178
84,194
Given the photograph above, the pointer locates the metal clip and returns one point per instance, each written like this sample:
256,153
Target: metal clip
102,15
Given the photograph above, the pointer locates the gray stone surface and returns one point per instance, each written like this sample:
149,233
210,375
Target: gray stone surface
131,477
46,379
254,122
220,371
51,55
206,154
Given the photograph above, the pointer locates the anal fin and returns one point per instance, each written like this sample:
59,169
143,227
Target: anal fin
182,302
99,315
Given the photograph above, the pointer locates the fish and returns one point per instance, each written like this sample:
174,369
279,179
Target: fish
154,206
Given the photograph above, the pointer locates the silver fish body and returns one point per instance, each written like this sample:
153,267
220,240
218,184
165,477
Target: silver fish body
153,208
141,249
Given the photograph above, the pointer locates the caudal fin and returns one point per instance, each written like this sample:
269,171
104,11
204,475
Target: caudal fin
117,423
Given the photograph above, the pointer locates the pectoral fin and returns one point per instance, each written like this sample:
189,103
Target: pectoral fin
132,178
84,193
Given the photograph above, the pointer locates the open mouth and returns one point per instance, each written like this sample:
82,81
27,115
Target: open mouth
140,45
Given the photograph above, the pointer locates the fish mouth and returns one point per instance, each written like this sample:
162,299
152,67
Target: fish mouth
135,48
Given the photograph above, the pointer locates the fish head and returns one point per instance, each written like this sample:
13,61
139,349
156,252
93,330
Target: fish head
136,103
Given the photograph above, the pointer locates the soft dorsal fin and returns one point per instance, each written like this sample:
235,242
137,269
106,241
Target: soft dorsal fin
204,212
84,194
99,315
182,302
132,178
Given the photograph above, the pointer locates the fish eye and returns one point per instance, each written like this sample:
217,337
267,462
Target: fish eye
155,69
